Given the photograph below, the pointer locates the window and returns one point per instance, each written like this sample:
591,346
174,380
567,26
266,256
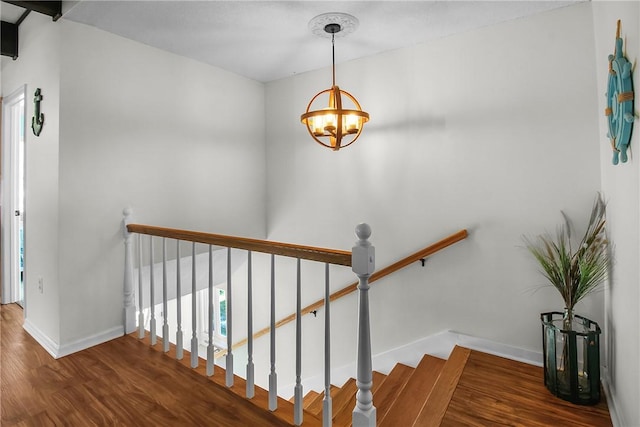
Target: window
220,302
219,316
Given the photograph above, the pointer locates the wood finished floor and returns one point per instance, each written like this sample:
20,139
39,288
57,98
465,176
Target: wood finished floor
494,391
124,382
111,384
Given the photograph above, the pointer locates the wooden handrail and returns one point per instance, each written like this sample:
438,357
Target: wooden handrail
330,256
421,254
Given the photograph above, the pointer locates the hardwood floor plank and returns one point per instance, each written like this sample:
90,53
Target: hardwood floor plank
116,383
514,396
78,403
261,398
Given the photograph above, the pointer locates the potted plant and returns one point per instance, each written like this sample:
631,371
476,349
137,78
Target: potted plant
575,269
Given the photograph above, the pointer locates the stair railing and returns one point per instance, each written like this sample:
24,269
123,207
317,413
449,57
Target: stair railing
361,259
420,255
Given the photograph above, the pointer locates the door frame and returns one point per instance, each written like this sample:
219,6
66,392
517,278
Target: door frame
8,251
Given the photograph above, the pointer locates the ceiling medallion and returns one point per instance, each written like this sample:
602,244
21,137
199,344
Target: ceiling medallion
348,24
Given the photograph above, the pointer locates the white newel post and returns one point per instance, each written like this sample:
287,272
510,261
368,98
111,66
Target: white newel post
363,265
129,304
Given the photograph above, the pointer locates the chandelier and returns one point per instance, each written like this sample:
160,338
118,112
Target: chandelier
339,123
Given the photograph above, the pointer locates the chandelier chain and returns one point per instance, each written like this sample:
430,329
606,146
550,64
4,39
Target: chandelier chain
333,57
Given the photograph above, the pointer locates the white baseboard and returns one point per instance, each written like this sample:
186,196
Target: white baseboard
58,351
616,419
47,343
438,345
84,343
497,349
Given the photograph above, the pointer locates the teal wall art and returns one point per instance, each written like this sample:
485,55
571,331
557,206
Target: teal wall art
619,109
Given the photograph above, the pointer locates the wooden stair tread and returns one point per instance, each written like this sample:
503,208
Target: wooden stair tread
409,401
378,379
343,416
308,398
436,405
390,387
315,407
344,397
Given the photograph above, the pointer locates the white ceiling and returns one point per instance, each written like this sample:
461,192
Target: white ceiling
269,40
10,13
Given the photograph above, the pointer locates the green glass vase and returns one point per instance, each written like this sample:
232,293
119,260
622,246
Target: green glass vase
571,350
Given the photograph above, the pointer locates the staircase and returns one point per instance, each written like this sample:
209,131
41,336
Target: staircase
361,259
401,396
471,388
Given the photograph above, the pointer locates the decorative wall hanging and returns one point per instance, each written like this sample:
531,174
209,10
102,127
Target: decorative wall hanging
619,109
341,116
38,118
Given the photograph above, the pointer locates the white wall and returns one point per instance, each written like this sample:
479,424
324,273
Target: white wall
180,142
494,130
38,66
621,185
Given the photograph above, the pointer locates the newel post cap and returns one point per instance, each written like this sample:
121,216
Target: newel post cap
363,253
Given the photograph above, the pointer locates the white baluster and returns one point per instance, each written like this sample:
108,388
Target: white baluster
210,352
129,303
273,377
363,265
152,295
229,358
327,411
194,323
250,368
179,342
297,404
140,302
165,324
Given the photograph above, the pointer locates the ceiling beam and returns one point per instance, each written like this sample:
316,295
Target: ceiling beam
50,8
9,39
9,31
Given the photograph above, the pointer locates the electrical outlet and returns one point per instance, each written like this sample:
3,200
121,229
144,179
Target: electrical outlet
40,284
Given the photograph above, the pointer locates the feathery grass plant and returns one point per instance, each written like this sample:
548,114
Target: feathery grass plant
574,273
